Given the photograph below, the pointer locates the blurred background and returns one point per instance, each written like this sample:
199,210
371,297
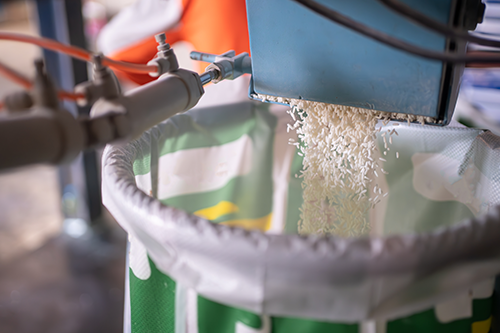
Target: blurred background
479,100
62,257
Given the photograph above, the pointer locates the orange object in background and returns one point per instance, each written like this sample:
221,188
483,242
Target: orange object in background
214,26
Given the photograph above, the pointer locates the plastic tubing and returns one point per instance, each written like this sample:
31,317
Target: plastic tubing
77,52
480,65
69,95
20,79
12,75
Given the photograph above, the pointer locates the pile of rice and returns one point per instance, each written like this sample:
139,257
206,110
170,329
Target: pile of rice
338,144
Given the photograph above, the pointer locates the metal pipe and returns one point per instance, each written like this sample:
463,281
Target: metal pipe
39,136
27,140
152,103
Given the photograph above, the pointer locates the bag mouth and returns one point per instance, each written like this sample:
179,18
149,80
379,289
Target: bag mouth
469,239
192,249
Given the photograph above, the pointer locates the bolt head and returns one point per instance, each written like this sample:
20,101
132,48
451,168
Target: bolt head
97,60
39,65
161,38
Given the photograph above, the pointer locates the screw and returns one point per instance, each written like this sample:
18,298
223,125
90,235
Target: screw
161,39
97,61
39,66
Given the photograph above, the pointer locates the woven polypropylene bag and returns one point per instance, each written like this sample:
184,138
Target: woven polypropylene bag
432,251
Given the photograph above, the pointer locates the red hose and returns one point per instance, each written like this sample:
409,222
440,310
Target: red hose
15,76
70,50
69,95
27,84
76,52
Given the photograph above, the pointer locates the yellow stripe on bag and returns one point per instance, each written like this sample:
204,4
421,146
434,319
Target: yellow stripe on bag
262,223
226,207
482,326
214,212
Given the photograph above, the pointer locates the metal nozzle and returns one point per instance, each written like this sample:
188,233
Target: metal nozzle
201,56
225,66
209,76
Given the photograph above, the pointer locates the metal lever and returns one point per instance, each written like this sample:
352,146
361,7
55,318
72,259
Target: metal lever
225,66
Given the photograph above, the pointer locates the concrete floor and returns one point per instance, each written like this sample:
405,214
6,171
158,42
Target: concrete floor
50,282
64,286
